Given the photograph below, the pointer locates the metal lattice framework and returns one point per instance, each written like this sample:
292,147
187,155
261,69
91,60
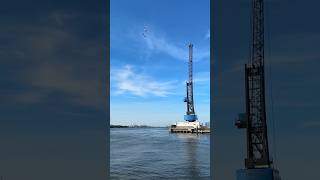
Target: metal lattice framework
254,119
189,85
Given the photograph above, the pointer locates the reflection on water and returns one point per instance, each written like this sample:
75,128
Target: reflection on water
191,146
154,153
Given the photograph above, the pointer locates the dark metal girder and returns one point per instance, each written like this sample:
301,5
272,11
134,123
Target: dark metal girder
255,121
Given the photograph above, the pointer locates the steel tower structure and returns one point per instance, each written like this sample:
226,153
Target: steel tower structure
254,119
190,114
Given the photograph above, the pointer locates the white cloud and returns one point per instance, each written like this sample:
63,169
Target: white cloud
160,44
207,36
126,80
201,78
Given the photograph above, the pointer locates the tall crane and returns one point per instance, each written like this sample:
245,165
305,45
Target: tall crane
190,114
254,119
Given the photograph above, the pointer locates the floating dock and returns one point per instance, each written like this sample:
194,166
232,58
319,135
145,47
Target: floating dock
188,130
189,127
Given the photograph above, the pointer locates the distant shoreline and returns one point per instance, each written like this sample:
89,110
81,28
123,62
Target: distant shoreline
134,126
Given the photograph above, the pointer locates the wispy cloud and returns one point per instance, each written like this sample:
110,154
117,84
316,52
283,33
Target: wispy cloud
127,80
207,36
160,44
152,40
201,78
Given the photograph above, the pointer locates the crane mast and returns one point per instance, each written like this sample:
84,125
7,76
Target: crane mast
190,114
254,119
190,125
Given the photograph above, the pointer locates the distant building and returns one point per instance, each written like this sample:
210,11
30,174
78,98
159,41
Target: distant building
207,124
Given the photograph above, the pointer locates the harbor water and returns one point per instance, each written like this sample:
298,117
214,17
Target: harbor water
154,153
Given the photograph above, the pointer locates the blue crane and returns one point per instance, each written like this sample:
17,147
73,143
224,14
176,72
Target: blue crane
190,114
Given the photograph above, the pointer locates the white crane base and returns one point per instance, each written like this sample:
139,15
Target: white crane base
189,127
258,174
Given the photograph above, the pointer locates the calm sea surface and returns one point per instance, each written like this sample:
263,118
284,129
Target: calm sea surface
154,153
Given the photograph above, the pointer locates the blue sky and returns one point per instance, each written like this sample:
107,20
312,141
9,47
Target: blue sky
149,53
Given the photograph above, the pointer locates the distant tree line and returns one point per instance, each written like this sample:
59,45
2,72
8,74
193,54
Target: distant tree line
131,126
